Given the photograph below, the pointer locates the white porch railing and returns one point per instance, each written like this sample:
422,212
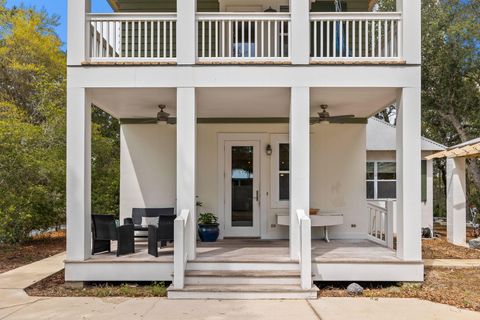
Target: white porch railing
237,37
305,257
380,228
362,37
180,253
131,37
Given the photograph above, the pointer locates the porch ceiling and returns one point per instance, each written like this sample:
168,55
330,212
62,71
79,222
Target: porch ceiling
242,102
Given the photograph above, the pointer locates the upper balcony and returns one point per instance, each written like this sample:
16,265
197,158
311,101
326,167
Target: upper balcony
229,32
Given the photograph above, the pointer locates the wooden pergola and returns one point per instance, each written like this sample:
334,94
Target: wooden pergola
456,187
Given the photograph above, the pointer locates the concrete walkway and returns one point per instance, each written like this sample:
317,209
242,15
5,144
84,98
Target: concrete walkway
452,263
16,304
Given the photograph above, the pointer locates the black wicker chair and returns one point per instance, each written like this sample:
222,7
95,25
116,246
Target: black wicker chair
162,233
104,230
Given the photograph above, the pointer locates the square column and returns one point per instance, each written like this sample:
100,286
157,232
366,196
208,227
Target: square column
299,162
186,31
79,132
300,31
456,201
410,37
78,31
409,211
186,162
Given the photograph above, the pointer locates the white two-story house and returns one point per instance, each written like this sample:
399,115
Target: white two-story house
264,108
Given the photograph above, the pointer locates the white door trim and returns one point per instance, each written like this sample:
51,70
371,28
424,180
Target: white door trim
264,172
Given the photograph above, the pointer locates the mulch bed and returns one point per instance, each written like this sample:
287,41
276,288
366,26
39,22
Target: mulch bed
54,286
455,287
40,247
440,248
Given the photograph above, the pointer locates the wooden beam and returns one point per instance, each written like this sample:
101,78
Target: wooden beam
237,120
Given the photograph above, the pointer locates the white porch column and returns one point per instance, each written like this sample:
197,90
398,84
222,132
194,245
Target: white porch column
456,201
77,31
78,174
186,31
186,161
300,31
410,38
409,214
299,162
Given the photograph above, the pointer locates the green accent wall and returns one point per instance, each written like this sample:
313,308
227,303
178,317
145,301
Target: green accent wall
164,6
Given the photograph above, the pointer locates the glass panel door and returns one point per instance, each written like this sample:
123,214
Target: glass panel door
242,188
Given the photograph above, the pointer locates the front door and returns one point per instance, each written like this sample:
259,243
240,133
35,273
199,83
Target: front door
242,188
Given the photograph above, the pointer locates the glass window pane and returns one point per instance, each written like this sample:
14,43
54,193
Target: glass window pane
370,170
284,186
386,171
370,190
387,190
242,186
284,157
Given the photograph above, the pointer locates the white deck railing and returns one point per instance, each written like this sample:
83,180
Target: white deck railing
305,257
237,37
180,253
141,37
362,37
380,227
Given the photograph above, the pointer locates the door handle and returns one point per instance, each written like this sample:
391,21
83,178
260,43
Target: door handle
257,196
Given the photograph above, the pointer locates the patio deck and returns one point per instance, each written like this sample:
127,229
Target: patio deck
253,250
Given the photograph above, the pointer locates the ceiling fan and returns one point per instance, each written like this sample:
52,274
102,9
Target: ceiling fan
162,117
325,117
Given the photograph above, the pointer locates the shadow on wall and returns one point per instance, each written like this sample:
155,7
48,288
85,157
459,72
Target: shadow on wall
148,167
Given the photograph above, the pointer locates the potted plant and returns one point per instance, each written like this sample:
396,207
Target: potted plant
208,230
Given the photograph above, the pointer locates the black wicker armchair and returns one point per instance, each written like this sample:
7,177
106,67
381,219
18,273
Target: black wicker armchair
162,233
105,230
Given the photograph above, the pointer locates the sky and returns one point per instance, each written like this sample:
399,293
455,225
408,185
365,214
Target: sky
59,8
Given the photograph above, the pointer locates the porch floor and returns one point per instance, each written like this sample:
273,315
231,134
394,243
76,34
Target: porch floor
255,250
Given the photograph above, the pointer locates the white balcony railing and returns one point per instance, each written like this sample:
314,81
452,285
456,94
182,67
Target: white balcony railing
131,37
363,37
237,37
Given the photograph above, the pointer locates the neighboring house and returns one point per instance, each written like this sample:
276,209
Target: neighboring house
264,117
381,168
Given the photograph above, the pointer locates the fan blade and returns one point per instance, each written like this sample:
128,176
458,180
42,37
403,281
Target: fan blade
349,121
138,121
342,116
172,121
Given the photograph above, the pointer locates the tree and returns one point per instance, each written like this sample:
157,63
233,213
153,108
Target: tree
33,129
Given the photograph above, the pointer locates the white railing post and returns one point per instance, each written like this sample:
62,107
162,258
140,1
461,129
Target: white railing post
390,220
78,31
305,249
300,44
186,31
180,255
410,35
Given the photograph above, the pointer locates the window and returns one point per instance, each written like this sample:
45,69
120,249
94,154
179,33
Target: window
280,183
381,180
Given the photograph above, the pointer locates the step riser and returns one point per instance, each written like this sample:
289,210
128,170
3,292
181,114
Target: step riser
240,280
201,266
242,295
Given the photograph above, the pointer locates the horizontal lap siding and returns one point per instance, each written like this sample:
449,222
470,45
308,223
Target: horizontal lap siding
163,6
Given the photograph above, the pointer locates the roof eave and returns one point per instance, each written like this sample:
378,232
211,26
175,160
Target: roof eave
114,4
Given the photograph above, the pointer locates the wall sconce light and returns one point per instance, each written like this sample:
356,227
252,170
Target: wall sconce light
269,150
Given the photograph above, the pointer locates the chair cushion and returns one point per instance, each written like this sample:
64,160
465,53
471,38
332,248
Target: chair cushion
150,221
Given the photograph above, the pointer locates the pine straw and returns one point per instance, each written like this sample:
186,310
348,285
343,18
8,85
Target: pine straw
54,286
40,247
455,287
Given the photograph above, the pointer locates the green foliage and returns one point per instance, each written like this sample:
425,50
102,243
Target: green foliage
207,218
33,129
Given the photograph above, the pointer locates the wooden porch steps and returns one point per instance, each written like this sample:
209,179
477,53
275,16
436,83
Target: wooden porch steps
226,281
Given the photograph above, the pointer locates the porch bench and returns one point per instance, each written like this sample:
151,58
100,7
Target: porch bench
139,213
